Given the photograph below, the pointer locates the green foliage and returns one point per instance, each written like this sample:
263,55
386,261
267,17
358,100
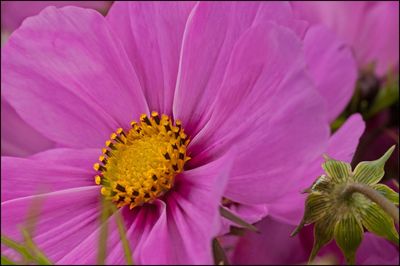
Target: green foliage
29,253
386,96
122,233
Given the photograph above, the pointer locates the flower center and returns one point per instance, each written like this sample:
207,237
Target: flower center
140,165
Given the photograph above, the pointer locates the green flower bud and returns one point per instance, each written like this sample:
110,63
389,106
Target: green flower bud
340,207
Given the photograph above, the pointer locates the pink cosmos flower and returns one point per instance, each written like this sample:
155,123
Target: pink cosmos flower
371,28
241,98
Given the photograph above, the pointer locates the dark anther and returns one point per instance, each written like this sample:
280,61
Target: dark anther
111,145
120,188
102,168
167,127
167,156
175,167
153,189
147,195
181,156
135,193
146,120
154,177
121,198
122,133
174,146
157,119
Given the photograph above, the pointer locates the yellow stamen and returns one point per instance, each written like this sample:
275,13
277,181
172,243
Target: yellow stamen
139,165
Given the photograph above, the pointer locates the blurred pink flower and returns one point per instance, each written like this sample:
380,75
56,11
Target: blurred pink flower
14,12
371,28
255,105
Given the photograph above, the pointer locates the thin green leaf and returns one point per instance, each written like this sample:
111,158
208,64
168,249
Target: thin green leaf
387,192
39,256
7,261
337,170
21,249
219,253
348,235
102,248
371,172
33,214
239,221
380,223
124,240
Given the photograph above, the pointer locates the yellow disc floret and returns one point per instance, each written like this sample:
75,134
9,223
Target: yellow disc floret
139,165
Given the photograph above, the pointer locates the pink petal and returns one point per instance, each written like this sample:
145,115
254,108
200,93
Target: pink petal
77,84
17,137
272,246
14,12
343,143
341,146
269,109
64,220
152,36
210,35
184,231
46,172
375,250
332,67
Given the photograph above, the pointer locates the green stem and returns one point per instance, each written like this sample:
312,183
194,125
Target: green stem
375,196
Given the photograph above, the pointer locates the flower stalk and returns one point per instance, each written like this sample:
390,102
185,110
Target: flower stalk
375,196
